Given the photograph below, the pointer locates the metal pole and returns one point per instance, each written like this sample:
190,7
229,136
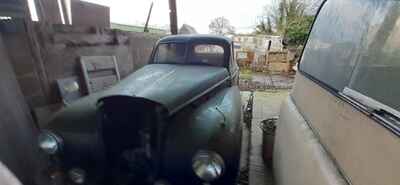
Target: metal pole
146,29
173,17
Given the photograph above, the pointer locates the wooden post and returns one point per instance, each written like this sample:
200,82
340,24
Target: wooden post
173,17
35,45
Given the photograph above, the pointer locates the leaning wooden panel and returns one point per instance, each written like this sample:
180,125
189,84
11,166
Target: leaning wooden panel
99,72
366,152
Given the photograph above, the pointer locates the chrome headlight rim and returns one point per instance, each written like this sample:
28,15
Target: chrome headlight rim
208,165
49,142
77,175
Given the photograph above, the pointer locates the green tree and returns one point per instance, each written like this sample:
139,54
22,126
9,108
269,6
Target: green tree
297,30
290,18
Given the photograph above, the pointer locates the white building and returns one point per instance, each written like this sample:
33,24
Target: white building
258,43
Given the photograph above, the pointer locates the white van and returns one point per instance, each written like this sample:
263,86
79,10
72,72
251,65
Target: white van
341,123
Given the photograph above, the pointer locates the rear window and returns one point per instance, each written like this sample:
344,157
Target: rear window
198,54
208,54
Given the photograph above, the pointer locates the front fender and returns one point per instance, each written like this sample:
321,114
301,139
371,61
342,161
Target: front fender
77,126
213,125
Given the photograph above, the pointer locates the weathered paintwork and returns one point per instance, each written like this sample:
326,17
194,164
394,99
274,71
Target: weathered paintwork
214,125
201,110
172,86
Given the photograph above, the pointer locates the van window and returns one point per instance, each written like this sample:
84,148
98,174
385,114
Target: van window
365,58
332,49
377,74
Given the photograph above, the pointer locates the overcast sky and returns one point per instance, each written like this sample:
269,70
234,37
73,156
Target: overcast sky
197,13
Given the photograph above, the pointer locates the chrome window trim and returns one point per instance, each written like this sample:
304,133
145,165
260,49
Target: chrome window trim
370,103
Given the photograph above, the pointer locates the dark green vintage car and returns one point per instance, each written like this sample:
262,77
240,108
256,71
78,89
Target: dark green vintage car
177,120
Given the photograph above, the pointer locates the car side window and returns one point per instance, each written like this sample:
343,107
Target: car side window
362,62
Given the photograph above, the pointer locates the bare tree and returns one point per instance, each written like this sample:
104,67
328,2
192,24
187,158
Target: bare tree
264,26
221,26
314,5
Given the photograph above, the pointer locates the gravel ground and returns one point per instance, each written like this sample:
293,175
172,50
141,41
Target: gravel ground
261,81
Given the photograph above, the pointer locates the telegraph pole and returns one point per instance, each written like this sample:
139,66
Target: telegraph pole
173,17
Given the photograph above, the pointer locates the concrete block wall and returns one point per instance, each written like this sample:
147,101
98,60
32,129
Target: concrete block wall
60,47
141,46
64,45
89,14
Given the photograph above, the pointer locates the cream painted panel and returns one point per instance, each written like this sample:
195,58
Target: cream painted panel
299,158
366,152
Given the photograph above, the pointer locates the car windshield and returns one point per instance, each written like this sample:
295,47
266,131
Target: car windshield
199,54
170,53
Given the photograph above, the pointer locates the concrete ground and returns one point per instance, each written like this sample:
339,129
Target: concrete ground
266,105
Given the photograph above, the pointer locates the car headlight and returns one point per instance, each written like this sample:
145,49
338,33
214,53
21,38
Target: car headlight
49,142
77,175
208,165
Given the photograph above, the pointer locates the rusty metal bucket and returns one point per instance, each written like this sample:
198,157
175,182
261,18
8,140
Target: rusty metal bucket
268,127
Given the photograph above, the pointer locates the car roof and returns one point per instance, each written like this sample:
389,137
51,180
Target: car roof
197,38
